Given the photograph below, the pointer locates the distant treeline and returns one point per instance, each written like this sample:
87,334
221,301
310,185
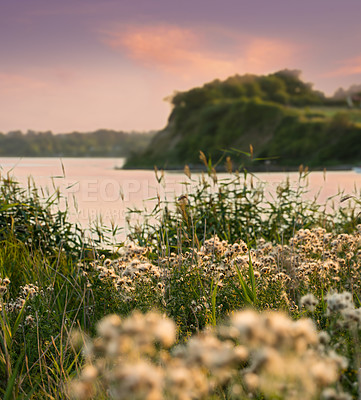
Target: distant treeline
101,143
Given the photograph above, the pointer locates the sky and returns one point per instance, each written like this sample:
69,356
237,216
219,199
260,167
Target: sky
82,65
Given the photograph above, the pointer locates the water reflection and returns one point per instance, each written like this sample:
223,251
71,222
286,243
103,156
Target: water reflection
95,187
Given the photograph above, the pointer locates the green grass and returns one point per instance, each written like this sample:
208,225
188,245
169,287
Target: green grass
229,247
323,112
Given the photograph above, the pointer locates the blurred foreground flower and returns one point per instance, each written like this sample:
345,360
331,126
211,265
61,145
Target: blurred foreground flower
264,353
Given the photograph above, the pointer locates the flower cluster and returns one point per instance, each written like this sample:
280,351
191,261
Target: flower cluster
341,306
131,266
312,255
313,258
26,292
253,353
4,283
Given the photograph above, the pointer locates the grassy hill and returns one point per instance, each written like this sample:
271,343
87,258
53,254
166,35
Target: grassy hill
279,114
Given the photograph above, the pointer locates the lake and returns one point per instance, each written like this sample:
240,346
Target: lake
94,187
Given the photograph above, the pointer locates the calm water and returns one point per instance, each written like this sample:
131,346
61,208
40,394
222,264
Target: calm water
93,187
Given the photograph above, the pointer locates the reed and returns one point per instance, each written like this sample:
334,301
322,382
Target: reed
182,292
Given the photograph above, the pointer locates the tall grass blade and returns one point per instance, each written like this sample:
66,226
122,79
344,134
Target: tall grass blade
10,388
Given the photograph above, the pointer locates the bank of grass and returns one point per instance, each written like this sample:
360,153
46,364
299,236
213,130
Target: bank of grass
225,246
327,112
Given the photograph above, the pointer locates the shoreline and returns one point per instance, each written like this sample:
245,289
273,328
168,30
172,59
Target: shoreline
264,169
198,168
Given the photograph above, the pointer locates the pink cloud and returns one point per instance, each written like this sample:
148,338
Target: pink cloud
169,48
350,66
163,46
267,54
17,83
38,80
199,52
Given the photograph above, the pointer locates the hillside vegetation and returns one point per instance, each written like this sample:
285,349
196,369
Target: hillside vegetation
283,118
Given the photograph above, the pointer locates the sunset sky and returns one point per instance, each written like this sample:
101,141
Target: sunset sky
69,65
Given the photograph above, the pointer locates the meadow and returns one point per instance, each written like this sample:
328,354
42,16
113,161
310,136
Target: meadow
232,291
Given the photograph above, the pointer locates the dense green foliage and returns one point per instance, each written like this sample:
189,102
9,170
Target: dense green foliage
35,222
281,116
101,143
